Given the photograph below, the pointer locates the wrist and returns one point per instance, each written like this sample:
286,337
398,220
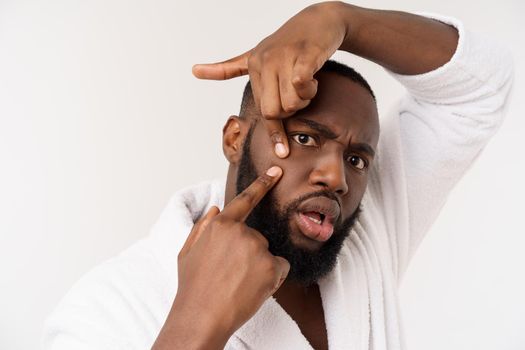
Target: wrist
189,327
353,19
331,19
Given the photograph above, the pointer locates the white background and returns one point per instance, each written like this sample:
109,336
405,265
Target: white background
101,121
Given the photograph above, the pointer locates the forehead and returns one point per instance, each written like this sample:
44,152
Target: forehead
344,106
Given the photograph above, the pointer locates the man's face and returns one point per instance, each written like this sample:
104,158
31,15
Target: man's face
308,214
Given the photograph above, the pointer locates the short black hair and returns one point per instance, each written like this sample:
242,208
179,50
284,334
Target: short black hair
329,66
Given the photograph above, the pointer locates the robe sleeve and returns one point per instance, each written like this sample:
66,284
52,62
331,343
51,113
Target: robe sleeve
435,133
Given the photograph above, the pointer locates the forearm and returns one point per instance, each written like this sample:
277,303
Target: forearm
400,42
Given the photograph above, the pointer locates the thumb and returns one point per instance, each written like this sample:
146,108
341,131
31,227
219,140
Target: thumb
232,68
197,230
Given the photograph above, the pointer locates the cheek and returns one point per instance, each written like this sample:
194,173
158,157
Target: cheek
261,151
263,157
295,169
356,189
294,181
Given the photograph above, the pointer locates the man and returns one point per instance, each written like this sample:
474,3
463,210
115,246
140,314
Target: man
309,245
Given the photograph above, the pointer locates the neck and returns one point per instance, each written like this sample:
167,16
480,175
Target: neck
294,291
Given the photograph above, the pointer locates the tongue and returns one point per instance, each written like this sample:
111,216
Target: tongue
314,215
319,232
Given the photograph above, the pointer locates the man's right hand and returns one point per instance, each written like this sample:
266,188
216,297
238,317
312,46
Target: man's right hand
225,274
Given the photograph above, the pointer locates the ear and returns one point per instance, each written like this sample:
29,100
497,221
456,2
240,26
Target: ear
233,134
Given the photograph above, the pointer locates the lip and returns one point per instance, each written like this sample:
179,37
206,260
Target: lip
321,204
330,210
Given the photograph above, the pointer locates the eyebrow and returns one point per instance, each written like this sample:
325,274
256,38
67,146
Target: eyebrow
320,128
364,148
329,134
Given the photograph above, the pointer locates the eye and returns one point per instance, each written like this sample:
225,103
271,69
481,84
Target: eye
305,140
357,162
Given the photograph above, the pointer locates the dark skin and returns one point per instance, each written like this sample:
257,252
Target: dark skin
282,66
217,292
332,143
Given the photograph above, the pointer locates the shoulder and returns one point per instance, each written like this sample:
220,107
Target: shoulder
119,304
123,302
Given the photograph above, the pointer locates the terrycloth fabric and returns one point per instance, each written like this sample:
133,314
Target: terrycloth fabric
426,144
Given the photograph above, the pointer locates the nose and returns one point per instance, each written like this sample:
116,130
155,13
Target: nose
329,173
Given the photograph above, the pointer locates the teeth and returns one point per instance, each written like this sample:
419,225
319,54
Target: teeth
318,222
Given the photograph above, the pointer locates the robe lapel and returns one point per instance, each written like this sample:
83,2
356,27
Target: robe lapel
272,328
345,303
344,294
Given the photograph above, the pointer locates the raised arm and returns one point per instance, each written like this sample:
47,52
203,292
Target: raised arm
401,42
282,66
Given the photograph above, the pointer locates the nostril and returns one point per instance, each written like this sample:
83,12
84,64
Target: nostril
322,184
329,181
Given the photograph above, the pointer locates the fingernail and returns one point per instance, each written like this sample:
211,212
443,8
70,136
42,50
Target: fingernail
280,150
274,171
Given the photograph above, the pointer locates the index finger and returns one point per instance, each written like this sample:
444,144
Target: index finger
232,68
241,206
278,137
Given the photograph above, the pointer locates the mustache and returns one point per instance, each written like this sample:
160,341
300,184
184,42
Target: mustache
322,193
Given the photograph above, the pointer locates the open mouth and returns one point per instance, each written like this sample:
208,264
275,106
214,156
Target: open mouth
315,218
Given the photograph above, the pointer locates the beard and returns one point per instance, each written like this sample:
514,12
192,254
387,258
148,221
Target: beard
306,266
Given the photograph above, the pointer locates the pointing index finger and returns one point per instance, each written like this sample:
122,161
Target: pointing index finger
278,137
232,68
242,205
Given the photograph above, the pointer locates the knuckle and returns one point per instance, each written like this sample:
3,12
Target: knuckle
252,244
270,112
276,136
219,224
265,180
254,61
219,220
266,55
262,241
240,227
255,240
289,107
247,195
256,243
292,105
301,77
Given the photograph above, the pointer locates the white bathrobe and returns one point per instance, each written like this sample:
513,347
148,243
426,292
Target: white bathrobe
427,143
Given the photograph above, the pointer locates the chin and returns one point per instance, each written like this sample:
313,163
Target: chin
300,241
